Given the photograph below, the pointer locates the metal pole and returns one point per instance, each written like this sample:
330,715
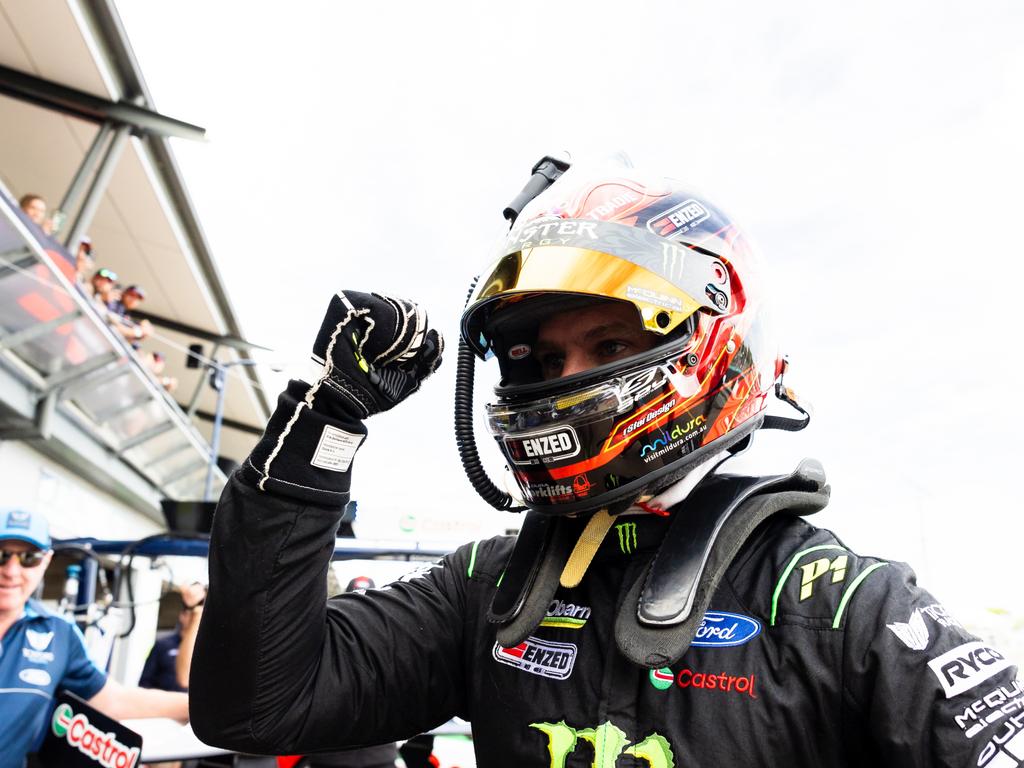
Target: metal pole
193,404
85,170
218,380
97,188
217,376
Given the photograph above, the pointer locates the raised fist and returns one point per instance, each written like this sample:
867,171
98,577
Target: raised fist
376,350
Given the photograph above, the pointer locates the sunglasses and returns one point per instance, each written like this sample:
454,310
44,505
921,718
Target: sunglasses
27,559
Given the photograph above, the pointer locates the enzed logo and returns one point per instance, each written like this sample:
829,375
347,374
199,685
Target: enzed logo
539,657
966,666
608,741
103,748
678,219
543,447
627,537
814,571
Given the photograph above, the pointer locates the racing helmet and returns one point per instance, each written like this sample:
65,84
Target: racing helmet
613,434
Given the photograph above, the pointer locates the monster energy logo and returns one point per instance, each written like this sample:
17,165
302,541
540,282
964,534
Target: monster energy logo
608,742
627,537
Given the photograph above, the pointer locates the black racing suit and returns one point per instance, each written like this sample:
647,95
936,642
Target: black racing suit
808,656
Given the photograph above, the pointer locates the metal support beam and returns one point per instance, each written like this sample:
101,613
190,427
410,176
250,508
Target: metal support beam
231,423
71,101
198,333
71,391
110,413
84,172
13,262
181,474
193,403
98,187
60,378
144,437
45,409
12,340
160,459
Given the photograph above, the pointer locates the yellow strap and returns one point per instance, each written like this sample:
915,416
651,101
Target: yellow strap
585,549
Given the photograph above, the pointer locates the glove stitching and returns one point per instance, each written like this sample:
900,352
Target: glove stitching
307,401
354,395
402,314
370,325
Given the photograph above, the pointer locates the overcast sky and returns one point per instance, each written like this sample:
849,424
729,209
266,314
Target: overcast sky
872,149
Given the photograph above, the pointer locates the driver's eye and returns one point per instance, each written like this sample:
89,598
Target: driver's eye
611,347
551,364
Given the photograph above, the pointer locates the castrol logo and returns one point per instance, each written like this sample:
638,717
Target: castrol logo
103,748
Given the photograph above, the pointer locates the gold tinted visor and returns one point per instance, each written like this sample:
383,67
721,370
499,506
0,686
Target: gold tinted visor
667,281
661,305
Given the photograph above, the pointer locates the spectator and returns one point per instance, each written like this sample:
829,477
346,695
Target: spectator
104,282
35,208
167,664
157,362
44,652
134,331
84,261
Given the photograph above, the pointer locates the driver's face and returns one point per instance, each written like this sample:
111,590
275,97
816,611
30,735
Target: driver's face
577,340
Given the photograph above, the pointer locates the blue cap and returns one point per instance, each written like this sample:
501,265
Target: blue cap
24,526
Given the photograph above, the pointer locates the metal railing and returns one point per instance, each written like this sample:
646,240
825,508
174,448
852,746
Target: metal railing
55,340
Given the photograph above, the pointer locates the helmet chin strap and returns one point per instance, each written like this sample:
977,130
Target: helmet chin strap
601,521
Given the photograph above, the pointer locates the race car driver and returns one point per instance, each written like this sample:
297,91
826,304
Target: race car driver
654,610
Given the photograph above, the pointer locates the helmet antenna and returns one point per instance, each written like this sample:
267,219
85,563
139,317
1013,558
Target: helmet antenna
545,171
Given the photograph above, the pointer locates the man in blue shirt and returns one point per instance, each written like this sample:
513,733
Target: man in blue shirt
167,665
42,653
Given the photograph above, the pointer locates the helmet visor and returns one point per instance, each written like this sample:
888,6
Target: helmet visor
542,431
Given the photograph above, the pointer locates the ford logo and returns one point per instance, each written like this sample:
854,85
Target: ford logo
720,629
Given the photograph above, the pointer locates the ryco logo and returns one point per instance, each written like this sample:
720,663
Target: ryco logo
543,447
565,615
627,537
966,666
539,657
103,748
726,629
607,741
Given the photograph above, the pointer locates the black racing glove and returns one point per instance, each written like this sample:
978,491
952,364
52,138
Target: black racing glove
376,351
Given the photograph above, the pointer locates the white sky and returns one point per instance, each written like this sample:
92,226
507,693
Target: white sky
873,150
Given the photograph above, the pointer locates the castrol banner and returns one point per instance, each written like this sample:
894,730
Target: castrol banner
81,737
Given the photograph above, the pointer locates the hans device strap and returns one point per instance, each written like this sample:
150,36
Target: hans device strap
665,606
